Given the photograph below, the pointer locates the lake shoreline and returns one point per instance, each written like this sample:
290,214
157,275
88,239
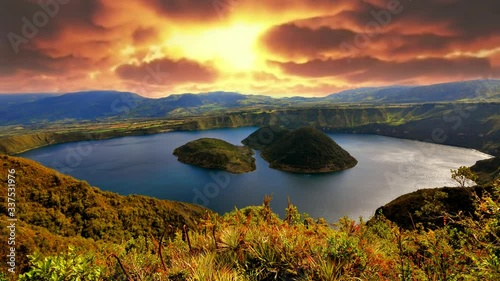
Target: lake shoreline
432,123
51,138
124,165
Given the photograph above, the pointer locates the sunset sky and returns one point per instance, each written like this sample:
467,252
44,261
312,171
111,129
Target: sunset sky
274,47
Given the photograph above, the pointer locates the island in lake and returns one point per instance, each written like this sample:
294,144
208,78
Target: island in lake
304,150
217,154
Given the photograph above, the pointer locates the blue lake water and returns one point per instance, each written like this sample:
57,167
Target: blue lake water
387,168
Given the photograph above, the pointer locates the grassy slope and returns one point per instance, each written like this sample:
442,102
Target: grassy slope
254,244
487,170
248,244
54,210
216,154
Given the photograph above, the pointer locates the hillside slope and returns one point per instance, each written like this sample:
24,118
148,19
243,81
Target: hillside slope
427,206
475,90
264,137
73,106
54,210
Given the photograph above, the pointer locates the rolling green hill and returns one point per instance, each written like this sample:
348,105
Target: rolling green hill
74,106
7,100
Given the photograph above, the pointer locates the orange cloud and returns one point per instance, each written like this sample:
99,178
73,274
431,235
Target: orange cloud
166,71
275,47
366,68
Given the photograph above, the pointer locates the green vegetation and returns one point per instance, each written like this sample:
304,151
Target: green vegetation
16,140
473,125
55,210
487,170
254,244
305,150
217,154
463,176
70,266
174,241
430,206
96,105
265,137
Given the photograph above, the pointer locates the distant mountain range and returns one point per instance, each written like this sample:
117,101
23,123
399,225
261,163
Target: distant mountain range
457,91
93,105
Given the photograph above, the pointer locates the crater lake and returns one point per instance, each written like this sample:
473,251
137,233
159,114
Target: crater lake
387,168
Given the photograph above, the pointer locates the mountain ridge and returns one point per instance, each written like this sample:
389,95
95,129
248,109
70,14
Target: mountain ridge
98,105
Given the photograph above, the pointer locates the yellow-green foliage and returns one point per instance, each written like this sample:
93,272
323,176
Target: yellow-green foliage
54,210
254,244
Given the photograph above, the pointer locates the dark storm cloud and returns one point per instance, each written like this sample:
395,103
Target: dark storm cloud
371,69
290,39
166,71
190,10
430,27
47,17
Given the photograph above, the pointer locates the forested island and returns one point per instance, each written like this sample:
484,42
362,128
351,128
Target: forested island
217,154
304,150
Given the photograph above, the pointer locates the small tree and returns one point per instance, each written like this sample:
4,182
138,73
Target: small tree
463,175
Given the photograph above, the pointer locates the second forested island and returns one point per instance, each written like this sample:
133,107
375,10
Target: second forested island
304,150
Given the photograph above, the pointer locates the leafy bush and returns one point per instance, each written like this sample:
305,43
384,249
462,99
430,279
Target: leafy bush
69,266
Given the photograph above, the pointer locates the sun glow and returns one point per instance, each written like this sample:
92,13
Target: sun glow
231,48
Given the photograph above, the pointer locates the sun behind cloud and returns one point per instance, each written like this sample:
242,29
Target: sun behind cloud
274,47
232,47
